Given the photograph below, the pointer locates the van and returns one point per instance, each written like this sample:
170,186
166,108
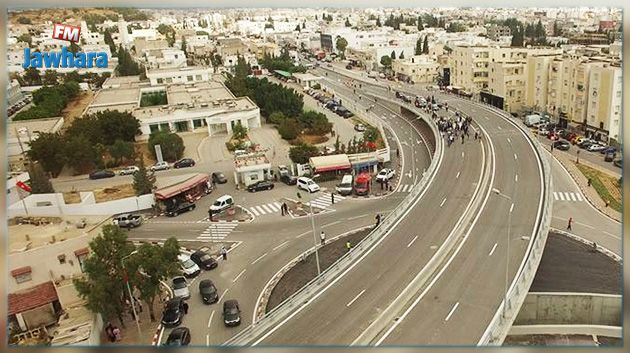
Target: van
531,120
307,184
345,187
222,203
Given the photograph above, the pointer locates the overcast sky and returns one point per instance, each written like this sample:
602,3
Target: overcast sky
312,3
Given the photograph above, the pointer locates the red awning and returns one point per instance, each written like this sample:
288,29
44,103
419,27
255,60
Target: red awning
168,192
330,163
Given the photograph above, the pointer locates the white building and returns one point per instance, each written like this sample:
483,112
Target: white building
170,58
418,68
189,74
251,168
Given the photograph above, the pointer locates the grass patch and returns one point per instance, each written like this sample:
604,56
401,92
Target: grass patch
606,186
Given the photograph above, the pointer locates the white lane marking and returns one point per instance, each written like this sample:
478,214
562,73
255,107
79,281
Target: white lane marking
278,205
452,311
356,217
208,339
457,176
555,196
498,127
260,209
254,211
573,197
443,201
223,295
579,197
493,249
210,319
516,177
330,224
355,298
404,188
515,157
462,154
266,208
566,195
511,208
509,141
273,207
561,196
485,117
412,241
281,245
239,276
259,258
611,234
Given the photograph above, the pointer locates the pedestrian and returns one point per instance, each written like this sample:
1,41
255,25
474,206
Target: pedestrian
462,138
476,135
109,330
588,182
569,224
387,184
116,333
138,304
210,215
224,253
322,237
332,198
348,245
398,152
378,219
185,307
606,203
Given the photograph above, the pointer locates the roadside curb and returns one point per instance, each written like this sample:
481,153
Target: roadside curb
263,298
598,247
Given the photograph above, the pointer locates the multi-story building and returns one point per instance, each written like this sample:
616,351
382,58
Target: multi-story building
190,74
603,114
537,69
495,32
165,58
507,80
418,68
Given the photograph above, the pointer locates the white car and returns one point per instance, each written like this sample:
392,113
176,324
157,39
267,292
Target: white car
385,174
543,131
222,203
307,184
129,170
596,147
180,287
160,166
188,266
359,127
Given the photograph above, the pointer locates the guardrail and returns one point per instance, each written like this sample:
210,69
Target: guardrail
302,297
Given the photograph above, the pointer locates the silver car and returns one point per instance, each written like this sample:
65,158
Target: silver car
180,287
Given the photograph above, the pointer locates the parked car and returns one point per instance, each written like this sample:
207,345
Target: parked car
345,187
188,266
307,184
180,287
222,203
173,312
347,114
385,174
618,163
586,143
283,170
204,260
543,131
208,291
610,156
129,170
608,149
219,178
128,220
231,313
180,336
359,127
101,174
288,179
160,166
596,147
183,163
562,145
260,185
181,207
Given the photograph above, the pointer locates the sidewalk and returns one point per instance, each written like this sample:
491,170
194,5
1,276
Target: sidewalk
591,195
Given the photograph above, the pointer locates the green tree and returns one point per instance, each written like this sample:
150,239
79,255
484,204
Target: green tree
420,26
31,77
557,31
103,286
48,149
418,49
74,48
289,129
371,134
171,144
347,23
216,61
184,46
40,184
24,20
393,55
341,44
121,150
107,37
301,153
276,118
80,153
51,78
425,45
316,123
239,131
126,65
386,61
26,38
150,266
143,183
402,55
378,22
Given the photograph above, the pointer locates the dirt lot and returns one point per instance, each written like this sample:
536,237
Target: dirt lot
303,272
104,194
75,108
571,266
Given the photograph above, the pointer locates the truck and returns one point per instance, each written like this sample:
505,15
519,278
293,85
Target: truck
362,184
128,220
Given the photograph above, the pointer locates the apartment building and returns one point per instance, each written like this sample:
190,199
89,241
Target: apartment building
507,80
189,74
418,68
603,113
165,58
495,32
537,70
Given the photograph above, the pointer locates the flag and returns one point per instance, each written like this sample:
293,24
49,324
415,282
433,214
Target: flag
23,186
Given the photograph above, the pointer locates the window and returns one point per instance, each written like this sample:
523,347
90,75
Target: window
62,259
160,80
22,274
198,77
23,278
189,78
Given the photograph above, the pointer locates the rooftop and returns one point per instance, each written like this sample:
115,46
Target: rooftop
31,298
250,159
24,127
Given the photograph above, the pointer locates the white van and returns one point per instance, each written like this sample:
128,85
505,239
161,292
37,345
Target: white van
345,187
532,120
307,184
222,203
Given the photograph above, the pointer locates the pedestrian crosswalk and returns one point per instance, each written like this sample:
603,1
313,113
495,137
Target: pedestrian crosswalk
567,196
404,188
218,231
268,208
324,200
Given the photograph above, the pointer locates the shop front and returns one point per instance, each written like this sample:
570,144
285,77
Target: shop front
188,188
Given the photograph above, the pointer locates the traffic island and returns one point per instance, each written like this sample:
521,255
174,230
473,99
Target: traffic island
302,270
299,209
234,214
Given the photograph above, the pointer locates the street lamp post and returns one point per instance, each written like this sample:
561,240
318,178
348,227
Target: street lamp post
310,204
133,305
507,257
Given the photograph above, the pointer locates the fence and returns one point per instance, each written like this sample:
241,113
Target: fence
303,296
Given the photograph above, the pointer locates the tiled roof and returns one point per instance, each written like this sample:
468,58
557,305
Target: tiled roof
32,298
21,271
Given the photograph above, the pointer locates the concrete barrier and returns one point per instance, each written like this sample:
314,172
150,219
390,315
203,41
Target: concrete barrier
570,309
597,330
